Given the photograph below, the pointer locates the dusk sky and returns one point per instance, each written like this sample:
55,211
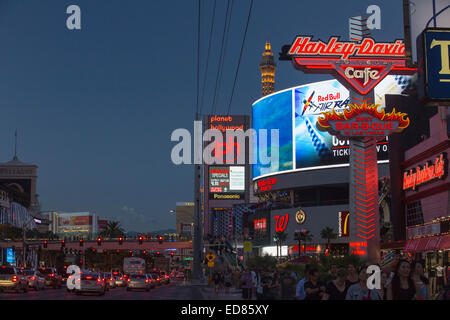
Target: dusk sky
95,108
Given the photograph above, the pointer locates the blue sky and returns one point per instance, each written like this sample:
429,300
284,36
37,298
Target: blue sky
95,107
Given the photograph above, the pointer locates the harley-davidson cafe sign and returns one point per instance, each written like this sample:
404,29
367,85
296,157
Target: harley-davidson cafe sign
432,170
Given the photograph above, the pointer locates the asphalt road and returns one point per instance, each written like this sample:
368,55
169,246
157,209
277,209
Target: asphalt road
176,290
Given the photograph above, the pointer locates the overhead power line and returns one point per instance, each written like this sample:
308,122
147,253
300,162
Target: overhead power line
240,55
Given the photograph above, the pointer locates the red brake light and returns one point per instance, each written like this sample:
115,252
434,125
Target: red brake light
129,280
52,275
33,278
88,278
14,279
146,281
99,282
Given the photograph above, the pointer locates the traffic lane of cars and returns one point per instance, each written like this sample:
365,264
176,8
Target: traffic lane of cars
119,293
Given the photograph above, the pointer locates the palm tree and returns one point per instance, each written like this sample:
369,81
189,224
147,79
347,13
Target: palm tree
113,230
280,237
302,236
328,234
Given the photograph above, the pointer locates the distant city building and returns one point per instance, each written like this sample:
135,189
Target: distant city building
185,218
267,67
73,225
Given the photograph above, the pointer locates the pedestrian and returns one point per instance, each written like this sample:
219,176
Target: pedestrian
216,280
287,282
227,280
384,280
247,285
402,287
420,280
332,274
314,288
275,286
352,277
337,289
266,282
300,293
359,290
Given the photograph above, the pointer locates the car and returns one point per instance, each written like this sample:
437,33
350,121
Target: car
120,280
110,279
103,275
156,279
34,279
12,279
164,277
52,278
152,281
91,282
180,275
138,281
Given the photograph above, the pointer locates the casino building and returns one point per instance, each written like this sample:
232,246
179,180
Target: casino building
307,187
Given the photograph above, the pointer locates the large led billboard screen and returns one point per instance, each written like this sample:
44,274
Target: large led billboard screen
294,112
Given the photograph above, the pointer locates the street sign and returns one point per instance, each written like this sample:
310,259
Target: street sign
434,71
210,264
210,256
247,246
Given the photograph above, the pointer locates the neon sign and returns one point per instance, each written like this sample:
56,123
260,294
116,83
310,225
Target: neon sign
281,222
260,224
358,248
362,65
266,184
344,224
362,120
430,171
300,216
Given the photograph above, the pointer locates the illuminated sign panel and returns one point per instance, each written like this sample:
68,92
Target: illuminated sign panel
300,216
226,179
362,120
281,222
260,224
362,65
295,112
344,225
433,47
432,170
358,248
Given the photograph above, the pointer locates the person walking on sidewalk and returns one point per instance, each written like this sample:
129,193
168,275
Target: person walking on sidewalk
227,280
247,285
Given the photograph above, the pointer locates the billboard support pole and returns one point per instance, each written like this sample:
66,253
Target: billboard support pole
197,245
363,184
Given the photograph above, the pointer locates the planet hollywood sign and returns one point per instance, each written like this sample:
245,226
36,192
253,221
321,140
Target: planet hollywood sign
428,172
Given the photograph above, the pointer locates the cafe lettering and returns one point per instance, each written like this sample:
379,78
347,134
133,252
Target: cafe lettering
429,172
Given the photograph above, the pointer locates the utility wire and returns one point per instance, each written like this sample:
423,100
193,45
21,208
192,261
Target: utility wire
220,57
240,55
224,55
207,58
198,59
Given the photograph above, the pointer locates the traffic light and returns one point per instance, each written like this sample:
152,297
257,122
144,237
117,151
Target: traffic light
144,252
172,254
81,242
120,241
117,251
93,250
45,243
99,241
160,239
63,243
140,239
158,253
105,251
130,252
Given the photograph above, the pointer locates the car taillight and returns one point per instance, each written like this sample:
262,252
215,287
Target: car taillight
146,281
52,275
88,278
129,280
32,278
99,282
14,279
121,278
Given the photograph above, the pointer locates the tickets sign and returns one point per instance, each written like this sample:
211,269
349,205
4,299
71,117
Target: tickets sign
362,120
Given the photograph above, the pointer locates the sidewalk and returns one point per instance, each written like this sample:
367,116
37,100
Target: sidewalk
234,294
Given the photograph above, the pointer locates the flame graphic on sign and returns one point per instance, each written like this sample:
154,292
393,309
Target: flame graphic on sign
353,110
